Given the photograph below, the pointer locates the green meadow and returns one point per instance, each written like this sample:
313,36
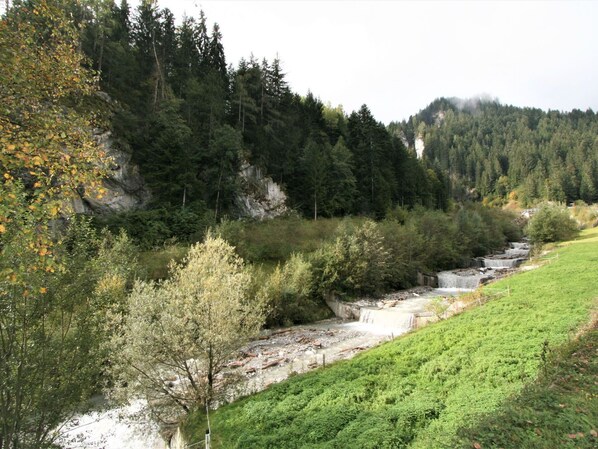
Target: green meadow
427,388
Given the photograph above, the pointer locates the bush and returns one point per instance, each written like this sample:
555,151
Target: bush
586,216
356,263
403,243
290,293
274,241
152,227
551,223
440,240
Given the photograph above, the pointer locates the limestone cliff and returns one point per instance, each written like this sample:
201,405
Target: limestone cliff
125,188
260,196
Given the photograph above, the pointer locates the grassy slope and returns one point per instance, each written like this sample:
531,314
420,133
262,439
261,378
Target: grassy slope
418,390
560,410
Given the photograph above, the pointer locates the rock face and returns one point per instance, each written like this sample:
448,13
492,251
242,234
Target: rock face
125,188
261,197
419,146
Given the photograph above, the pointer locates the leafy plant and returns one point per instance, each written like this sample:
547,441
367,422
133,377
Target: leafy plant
357,262
551,223
178,334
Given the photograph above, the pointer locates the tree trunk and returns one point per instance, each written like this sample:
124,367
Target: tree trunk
218,194
210,374
160,77
101,56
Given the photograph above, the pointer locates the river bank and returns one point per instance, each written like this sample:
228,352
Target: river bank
280,353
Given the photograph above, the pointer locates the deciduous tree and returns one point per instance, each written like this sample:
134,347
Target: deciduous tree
179,334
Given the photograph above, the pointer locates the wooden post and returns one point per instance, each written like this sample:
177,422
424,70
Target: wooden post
207,440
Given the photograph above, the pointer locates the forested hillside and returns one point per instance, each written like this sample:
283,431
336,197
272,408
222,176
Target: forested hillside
504,152
190,119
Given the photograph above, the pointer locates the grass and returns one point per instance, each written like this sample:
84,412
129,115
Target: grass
275,240
419,390
559,410
155,263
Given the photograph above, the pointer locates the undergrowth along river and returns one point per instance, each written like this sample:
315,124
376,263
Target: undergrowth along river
418,390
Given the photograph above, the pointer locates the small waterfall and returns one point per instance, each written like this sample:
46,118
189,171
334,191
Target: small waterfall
517,253
501,262
390,318
519,245
455,280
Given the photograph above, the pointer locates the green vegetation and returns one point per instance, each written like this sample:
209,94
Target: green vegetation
190,120
558,410
187,326
353,257
551,223
274,241
586,215
507,153
417,391
155,263
59,287
299,261
153,228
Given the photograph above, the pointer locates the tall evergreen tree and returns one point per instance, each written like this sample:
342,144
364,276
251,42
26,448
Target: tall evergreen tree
315,163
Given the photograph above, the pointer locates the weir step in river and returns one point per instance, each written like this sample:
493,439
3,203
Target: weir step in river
519,245
502,262
402,316
400,320
517,253
462,279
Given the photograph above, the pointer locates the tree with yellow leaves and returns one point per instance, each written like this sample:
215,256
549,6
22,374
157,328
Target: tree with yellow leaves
48,149
53,291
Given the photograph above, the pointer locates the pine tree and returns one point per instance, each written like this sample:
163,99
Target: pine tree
316,164
342,185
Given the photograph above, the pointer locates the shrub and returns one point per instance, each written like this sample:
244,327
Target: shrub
403,243
586,216
551,223
357,262
440,241
151,228
289,292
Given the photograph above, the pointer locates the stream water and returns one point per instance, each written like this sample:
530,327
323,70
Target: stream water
124,427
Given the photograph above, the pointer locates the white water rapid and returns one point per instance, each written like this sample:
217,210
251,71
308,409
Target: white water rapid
116,428
462,280
501,262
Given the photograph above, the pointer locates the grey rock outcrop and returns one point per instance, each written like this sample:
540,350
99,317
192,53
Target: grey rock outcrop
125,188
260,196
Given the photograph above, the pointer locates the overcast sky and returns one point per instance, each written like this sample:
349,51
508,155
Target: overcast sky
398,56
